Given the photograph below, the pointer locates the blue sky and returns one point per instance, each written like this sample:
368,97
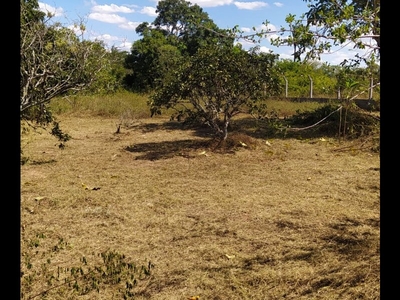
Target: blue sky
114,21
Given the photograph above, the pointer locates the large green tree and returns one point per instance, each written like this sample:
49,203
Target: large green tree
151,59
178,31
190,24
218,83
330,23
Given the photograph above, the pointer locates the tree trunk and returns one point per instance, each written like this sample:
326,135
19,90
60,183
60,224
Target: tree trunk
225,130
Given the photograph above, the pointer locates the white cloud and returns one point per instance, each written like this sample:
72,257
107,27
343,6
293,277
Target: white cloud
259,28
211,3
285,56
250,5
56,11
269,27
272,29
245,44
278,4
205,3
129,25
265,49
338,54
334,57
246,29
113,41
107,18
107,38
76,29
108,9
124,46
150,11
272,37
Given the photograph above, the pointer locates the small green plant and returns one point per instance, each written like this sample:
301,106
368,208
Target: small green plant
40,278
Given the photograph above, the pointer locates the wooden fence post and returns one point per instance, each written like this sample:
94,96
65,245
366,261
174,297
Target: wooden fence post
371,88
286,87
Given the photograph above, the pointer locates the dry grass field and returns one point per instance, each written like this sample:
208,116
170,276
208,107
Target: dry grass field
276,218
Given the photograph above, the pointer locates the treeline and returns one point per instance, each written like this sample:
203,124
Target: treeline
181,29
295,78
176,34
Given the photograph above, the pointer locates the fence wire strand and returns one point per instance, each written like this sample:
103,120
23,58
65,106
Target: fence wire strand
311,126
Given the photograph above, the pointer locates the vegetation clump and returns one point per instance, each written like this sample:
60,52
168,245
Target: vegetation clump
113,269
337,121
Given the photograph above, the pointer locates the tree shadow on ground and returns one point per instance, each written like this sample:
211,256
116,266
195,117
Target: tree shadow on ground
185,148
209,142
258,129
167,149
199,131
242,130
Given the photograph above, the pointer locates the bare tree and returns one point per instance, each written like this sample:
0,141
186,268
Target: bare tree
54,61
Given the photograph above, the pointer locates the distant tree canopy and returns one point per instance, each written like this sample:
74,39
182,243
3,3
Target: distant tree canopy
146,57
190,25
110,78
181,29
178,31
328,81
298,76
